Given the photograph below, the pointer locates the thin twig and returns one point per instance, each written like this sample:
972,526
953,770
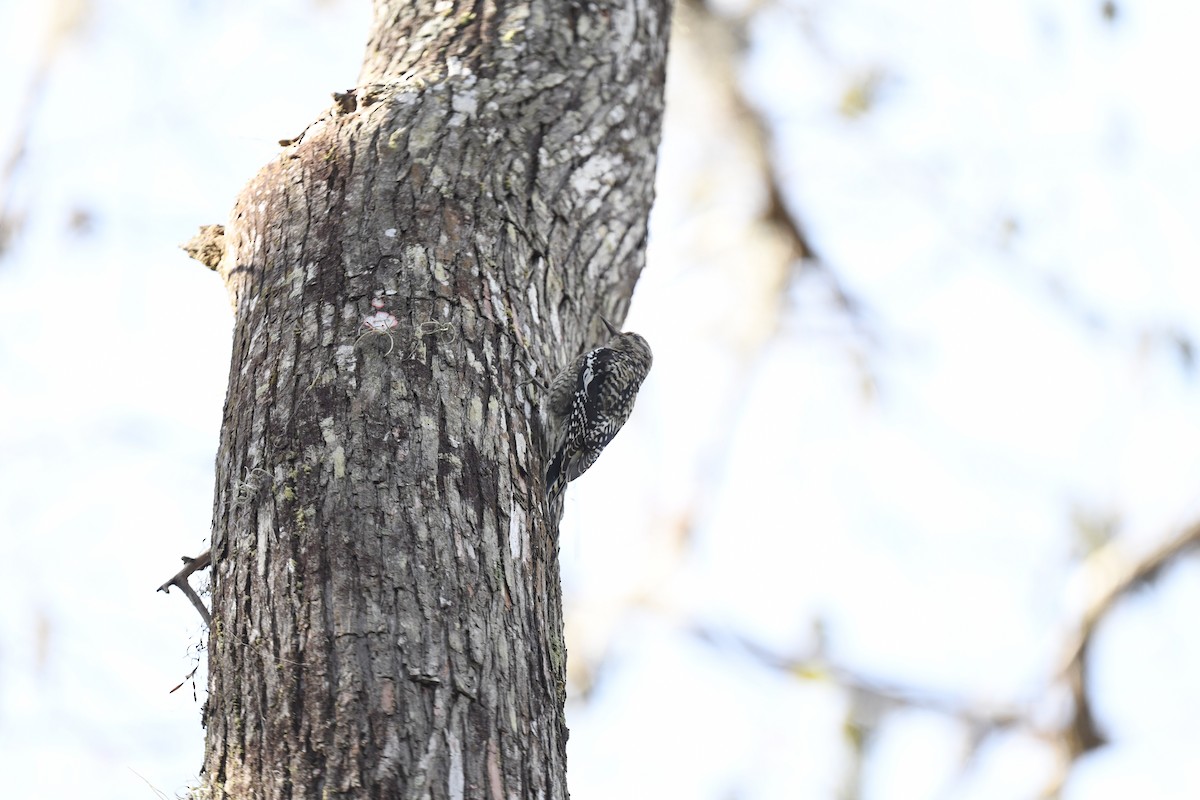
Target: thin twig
180,579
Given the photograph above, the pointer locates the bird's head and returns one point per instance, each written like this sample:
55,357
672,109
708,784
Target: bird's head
632,345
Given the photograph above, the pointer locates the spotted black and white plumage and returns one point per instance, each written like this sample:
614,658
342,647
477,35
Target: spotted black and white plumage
588,403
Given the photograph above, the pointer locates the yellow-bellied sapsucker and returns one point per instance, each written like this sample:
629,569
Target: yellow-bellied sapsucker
588,403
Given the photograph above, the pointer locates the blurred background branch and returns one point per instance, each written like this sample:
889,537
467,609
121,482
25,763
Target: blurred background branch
65,20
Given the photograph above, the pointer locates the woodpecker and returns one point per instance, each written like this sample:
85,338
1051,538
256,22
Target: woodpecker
588,403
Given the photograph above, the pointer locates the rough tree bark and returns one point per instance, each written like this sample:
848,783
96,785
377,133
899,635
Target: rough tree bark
386,603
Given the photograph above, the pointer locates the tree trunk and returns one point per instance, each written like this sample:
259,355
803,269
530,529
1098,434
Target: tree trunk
386,603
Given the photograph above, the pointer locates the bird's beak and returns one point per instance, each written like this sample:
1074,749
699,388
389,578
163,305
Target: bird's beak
611,329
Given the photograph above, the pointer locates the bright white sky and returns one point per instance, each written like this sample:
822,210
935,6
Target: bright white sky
927,524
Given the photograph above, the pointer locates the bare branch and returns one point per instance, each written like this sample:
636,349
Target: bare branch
879,695
180,580
66,20
1081,732
725,40
1075,737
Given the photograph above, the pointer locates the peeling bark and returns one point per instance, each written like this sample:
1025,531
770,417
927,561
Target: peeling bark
386,603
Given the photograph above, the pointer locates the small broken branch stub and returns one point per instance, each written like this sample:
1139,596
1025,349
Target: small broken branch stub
207,246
